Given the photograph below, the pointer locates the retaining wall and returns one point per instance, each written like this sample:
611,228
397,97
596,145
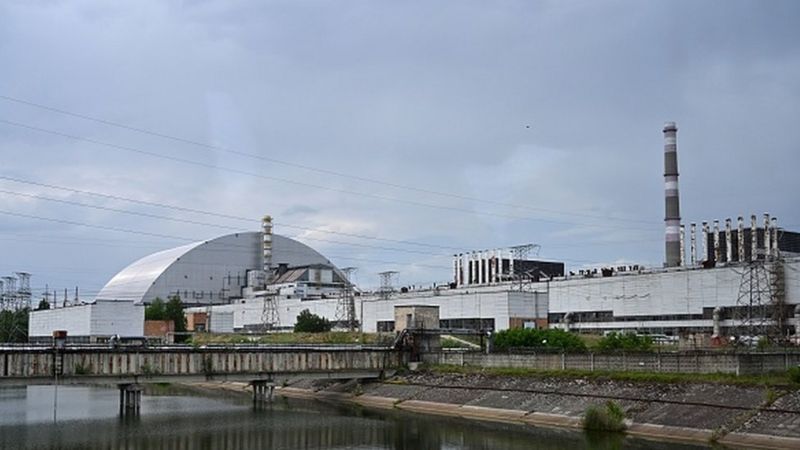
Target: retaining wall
682,362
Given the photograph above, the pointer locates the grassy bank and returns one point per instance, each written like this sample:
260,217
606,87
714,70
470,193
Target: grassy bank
777,379
331,337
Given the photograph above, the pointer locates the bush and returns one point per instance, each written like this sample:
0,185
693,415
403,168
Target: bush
625,341
552,339
608,418
311,323
794,374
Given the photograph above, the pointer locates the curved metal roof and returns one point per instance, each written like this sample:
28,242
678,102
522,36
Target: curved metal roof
202,272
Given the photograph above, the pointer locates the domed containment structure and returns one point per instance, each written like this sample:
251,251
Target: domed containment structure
209,272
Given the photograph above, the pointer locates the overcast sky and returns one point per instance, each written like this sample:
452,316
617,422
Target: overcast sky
456,124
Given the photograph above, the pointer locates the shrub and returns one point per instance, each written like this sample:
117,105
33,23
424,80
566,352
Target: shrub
311,323
625,341
794,374
608,418
553,339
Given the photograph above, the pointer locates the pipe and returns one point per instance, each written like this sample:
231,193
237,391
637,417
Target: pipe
728,241
705,241
753,238
740,237
716,242
775,247
693,243
672,214
455,270
716,317
767,238
683,245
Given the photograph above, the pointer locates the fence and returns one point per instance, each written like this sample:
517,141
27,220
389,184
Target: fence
673,362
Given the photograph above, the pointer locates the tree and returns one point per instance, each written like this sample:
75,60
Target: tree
14,325
625,341
173,311
155,310
44,304
311,323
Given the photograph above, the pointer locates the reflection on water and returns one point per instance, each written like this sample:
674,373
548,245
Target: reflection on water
88,418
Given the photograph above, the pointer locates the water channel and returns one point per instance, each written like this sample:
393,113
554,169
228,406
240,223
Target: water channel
87,417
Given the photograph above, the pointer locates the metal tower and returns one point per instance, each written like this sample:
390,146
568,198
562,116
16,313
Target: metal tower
346,307
270,316
386,283
758,310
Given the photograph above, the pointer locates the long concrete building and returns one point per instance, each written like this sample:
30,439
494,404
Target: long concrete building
741,278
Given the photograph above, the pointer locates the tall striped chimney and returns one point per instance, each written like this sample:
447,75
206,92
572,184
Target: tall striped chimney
266,225
672,217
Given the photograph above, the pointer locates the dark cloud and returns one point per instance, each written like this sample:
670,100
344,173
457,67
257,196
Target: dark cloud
433,95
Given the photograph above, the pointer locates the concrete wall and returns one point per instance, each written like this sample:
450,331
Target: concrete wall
75,319
103,318
107,362
694,362
426,317
660,293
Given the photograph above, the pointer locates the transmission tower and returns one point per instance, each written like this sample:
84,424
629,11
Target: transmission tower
386,283
8,296
346,307
270,316
23,290
521,253
758,310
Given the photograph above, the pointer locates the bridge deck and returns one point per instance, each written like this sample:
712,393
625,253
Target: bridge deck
36,365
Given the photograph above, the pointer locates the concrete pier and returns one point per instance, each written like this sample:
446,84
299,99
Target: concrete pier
130,398
263,391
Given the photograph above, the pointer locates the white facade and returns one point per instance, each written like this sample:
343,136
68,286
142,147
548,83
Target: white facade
102,318
497,303
658,299
677,299
204,272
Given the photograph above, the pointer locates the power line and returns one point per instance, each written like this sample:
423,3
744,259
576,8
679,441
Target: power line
145,233
299,183
307,167
226,216
154,216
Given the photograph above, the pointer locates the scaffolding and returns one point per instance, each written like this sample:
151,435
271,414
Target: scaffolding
760,310
387,288
346,306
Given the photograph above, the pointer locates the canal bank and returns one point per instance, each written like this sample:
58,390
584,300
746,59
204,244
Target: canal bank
733,415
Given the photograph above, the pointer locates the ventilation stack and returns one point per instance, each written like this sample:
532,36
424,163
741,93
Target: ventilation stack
672,217
267,246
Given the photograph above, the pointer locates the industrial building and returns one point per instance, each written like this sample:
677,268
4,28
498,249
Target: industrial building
208,272
88,322
740,279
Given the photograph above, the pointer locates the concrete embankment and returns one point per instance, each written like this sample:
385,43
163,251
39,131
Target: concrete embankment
736,416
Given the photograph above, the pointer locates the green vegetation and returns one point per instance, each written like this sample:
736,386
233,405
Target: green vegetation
611,417
171,310
544,339
794,375
778,379
80,369
453,343
44,304
155,310
311,323
625,341
14,325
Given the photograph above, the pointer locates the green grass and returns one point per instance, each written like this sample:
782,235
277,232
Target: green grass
771,379
610,417
331,337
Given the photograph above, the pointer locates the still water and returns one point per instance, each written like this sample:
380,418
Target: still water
88,418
